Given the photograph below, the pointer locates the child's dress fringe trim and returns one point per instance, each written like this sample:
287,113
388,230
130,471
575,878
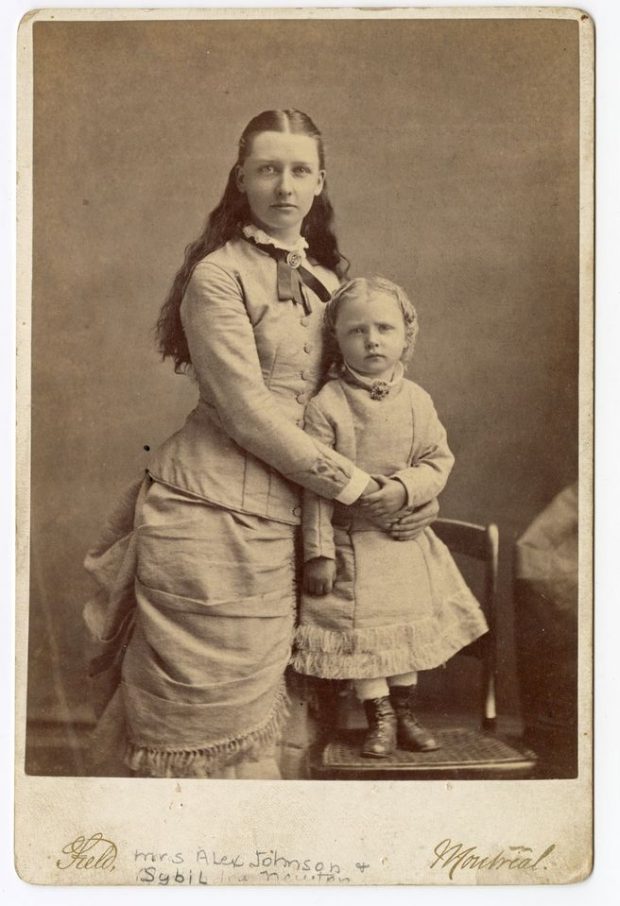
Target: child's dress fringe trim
147,761
385,650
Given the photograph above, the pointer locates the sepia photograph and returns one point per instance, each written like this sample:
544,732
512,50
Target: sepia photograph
305,328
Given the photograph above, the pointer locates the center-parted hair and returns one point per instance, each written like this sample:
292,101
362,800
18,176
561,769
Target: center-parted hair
227,220
365,289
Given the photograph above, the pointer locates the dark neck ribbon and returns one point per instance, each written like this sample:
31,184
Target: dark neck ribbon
291,276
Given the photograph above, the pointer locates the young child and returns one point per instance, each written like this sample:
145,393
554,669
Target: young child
375,610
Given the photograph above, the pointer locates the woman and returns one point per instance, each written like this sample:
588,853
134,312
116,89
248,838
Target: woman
213,545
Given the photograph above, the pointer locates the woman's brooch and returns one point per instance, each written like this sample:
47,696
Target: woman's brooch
379,390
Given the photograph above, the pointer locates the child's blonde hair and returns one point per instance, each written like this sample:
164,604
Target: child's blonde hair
365,288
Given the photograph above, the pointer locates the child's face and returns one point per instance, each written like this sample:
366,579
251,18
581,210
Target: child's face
371,334
281,178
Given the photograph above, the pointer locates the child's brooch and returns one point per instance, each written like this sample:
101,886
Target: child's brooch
379,390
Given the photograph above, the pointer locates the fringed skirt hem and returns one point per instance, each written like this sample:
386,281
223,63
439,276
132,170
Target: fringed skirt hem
203,761
382,650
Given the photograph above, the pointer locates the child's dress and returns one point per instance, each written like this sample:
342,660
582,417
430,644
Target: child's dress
396,606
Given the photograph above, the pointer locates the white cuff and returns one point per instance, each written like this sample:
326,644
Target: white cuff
355,488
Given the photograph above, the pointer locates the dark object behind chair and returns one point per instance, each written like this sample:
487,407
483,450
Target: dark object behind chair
546,586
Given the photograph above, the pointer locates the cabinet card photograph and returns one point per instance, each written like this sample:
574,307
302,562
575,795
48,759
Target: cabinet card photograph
305,326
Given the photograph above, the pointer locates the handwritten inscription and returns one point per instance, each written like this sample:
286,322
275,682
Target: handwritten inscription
455,856
94,852
209,866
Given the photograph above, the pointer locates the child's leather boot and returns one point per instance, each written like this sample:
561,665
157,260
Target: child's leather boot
411,734
380,740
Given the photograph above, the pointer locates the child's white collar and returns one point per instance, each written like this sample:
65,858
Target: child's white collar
253,232
377,387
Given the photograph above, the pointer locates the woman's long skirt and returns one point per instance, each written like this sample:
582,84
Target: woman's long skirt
202,678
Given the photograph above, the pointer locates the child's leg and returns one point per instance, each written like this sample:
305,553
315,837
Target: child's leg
376,687
380,740
411,734
403,679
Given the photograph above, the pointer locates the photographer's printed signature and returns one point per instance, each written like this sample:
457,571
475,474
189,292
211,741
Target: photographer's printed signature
456,856
94,852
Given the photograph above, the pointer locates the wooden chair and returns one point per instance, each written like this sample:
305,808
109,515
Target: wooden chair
467,752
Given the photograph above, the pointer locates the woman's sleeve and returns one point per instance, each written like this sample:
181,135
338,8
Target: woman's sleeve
432,459
225,359
316,520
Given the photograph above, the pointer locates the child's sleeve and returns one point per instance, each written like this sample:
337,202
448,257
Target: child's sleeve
432,457
316,520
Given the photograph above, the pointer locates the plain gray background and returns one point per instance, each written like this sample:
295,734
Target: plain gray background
453,166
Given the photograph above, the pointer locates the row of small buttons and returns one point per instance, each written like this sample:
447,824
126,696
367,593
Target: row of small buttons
302,398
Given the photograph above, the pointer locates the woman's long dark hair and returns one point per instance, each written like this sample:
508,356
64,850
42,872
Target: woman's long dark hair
232,213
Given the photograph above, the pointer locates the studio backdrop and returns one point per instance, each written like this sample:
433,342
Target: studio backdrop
452,162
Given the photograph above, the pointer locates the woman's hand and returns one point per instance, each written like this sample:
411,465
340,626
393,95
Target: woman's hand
413,522
319,575
370,488
410,523
388,499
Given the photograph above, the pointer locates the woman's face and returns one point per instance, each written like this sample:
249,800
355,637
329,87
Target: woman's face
281,178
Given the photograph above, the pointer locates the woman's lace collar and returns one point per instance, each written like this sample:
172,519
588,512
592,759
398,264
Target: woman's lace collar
377,387
253,232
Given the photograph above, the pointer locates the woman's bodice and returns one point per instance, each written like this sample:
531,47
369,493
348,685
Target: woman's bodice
257,360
